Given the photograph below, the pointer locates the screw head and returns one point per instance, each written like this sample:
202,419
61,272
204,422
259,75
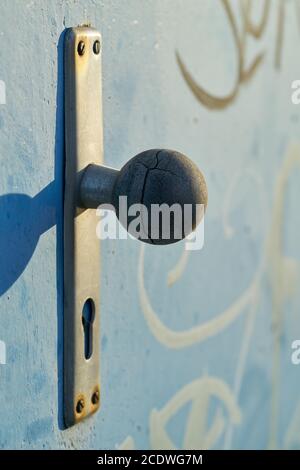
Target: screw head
95,397
81,48
96,47
80,405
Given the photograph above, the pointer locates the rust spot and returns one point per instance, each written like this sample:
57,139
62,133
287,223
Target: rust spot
80,407
95,399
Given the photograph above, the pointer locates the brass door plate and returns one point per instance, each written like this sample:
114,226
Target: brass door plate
84,145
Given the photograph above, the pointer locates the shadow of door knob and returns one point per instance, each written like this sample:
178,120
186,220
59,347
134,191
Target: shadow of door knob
159,195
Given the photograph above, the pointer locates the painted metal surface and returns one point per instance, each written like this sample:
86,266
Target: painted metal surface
196,350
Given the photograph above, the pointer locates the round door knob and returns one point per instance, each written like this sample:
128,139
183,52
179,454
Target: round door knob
159,195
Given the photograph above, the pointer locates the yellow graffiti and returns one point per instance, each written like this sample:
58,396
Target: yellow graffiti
240,40
281,273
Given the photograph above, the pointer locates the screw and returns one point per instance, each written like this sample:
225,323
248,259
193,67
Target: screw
80,405
96,47
95,397
81,48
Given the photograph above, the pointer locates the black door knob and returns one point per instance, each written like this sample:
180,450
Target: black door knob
169,188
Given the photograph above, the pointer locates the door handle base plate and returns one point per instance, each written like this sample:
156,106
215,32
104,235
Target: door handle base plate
84,145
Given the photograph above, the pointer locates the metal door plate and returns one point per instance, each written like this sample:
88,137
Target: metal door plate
84,145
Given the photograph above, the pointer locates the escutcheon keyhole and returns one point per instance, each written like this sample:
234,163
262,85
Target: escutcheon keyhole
88,317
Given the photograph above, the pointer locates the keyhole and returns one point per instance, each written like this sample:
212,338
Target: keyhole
88,317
